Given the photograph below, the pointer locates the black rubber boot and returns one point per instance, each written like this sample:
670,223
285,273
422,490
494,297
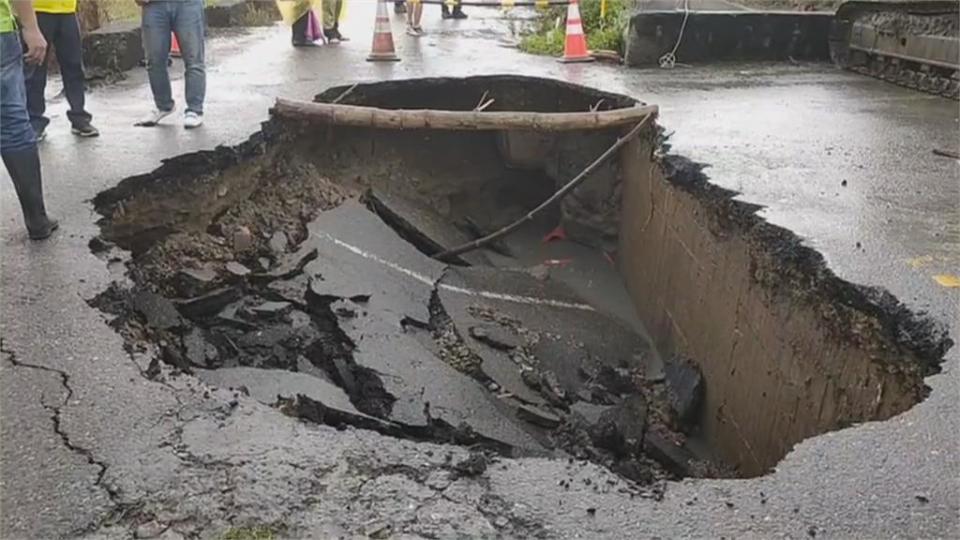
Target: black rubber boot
24,169
458,12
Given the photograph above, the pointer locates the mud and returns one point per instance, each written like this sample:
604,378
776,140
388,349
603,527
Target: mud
296,268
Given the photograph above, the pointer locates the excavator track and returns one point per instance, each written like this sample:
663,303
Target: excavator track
914,44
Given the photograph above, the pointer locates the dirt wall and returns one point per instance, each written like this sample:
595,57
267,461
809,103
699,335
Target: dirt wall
788,350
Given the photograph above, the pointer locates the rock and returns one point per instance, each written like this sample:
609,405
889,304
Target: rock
496,336
279,243
209,304
616,380
550,387
473,465
228,317
531,378
150,529
686,390
589,412
198,350
377,529
299,319
270,310
98,245
675,458
621,429
438,480
289,266
264,263
112,49
159,312
241,239
538,416
237,269
194,281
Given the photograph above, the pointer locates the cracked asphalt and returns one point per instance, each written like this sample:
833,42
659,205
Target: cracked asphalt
92,449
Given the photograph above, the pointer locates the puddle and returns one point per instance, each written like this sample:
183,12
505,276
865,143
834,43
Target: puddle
297,267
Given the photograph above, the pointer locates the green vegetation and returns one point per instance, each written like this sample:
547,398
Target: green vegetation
124,10
258,532
118,10
603,33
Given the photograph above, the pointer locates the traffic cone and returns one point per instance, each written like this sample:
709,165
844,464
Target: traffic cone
174,46
575,47
383,50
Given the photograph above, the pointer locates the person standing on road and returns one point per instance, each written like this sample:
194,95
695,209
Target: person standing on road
58,23
185,18
18,142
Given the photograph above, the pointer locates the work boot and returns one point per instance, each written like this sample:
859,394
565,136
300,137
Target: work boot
458,12
24,169
445,11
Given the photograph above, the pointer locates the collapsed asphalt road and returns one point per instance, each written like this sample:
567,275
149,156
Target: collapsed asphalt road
353,326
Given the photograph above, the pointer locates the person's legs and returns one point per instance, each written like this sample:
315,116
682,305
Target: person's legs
413,18
18,143
69,49
331,10
36,77
336,23
189,27
156,27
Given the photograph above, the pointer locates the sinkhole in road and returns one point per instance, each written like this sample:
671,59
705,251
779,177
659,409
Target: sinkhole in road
650,323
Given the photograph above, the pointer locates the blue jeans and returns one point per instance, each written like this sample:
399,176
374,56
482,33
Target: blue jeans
185,18
16,133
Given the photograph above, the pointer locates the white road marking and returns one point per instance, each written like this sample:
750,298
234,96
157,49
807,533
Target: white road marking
426,280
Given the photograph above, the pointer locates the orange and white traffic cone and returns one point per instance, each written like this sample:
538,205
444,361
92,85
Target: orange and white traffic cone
174,46
575,47
383,50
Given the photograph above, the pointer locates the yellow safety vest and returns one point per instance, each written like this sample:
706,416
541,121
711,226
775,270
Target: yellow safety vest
55,6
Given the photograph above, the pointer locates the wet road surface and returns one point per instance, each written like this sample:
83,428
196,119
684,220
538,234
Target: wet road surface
842,160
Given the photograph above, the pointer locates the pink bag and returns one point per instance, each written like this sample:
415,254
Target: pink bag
314,30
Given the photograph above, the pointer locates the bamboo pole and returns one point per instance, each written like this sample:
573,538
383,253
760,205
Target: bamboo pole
553,199
353,115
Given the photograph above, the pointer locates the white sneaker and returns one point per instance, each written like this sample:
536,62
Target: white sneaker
192,120
154,118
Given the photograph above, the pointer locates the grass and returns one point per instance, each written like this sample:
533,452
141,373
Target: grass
546,36
257,532
125,10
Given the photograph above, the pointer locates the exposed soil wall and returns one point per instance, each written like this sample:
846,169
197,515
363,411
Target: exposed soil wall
788,349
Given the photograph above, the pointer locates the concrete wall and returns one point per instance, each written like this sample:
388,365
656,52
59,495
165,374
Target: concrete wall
733,35
778,366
